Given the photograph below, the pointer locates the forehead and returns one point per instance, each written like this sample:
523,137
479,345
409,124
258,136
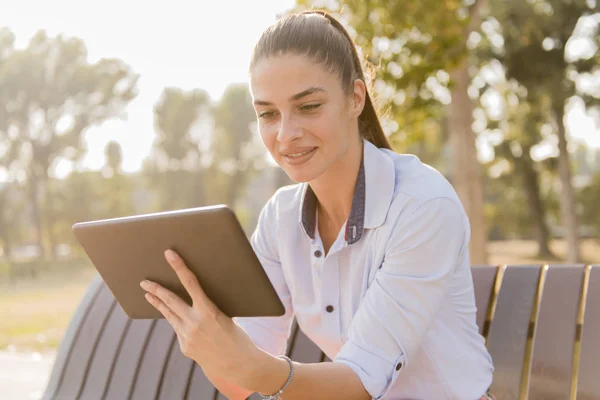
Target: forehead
277,78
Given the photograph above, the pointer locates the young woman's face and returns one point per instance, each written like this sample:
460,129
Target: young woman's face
305,119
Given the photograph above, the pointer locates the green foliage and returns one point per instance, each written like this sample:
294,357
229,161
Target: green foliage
411,45
535,36
529,39
236,150
174,117
174,171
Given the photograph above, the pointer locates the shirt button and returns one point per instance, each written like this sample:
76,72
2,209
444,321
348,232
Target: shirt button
318,253
329,309
398,366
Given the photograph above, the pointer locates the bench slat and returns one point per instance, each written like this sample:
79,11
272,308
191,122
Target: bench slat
84,347
104,358
553,346
177,375
200,387
484,278
588,387
153,361
303,349
508,333
70,336
126,365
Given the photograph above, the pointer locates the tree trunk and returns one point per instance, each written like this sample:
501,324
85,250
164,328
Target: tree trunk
531,186
567,197
4,224
50,220
35,213
466,170
7,247
6,239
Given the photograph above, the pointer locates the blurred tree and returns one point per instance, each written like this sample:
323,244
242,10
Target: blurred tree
422,49
77,198
10,211
521,123
117,187
7,150
588,198
114,157
175,171
535,39
54,94
235,149
596,161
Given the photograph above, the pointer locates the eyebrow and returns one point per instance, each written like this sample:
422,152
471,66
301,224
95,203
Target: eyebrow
298,96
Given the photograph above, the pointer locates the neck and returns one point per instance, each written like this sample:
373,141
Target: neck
335,188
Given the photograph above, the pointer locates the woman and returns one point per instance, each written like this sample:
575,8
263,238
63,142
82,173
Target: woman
369,251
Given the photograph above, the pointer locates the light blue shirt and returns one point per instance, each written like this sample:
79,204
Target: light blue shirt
393,299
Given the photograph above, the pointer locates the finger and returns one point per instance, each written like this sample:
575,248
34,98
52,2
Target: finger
187,279
170,299
173,319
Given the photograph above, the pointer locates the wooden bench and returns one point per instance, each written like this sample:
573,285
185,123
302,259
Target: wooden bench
541,325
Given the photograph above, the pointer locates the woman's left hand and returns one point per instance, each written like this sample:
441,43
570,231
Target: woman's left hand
205,334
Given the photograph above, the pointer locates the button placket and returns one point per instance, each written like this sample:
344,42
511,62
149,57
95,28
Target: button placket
330,295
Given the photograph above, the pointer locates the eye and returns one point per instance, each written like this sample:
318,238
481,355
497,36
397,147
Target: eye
310,107
266,114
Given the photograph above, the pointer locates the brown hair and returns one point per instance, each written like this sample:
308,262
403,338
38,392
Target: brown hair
324,39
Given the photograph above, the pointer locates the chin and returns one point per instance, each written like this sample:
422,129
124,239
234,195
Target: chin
298,177
301,174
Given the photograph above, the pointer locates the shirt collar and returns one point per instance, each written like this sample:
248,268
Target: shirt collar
373,195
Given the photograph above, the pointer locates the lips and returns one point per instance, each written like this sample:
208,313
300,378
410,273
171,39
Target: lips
299,156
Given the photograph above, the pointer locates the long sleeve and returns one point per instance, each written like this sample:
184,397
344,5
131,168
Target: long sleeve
400,304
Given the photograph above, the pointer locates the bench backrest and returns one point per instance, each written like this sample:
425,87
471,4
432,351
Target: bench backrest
540,324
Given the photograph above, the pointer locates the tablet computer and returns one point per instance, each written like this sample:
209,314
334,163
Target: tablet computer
210,240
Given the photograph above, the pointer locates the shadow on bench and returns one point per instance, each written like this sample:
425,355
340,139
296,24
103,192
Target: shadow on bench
531,316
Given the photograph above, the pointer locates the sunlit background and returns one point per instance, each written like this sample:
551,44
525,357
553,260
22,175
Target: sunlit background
179,130
180,43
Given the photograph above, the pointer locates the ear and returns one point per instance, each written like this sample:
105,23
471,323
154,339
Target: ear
359,95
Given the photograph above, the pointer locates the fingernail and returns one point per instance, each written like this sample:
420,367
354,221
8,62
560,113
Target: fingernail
144,284
171,256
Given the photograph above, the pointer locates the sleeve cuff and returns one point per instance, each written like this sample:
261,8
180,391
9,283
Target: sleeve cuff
377,375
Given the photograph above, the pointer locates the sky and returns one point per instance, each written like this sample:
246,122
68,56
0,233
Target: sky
202,44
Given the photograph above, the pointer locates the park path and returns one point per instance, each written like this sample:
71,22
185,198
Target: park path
23,376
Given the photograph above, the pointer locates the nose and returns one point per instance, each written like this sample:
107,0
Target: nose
289,130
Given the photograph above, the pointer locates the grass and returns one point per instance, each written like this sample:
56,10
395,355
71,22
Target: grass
34,313
525,252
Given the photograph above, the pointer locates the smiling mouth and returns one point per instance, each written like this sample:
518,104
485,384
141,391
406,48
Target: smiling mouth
298,155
